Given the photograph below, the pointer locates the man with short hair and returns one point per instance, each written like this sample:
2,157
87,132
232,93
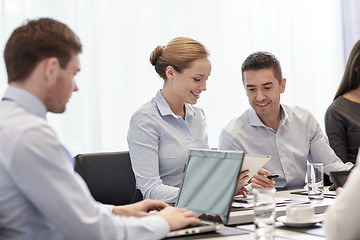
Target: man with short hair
41,197
290,135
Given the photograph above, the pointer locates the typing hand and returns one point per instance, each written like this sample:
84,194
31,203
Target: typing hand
178,218
260,179
139,209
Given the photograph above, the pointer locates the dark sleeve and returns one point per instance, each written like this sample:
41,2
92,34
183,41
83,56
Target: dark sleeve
335,126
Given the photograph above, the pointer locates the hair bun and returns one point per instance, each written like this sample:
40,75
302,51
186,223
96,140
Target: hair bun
156,54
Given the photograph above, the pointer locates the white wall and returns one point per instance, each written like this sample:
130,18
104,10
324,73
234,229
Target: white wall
118,37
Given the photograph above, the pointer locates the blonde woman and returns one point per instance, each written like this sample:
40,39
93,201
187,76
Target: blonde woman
163,130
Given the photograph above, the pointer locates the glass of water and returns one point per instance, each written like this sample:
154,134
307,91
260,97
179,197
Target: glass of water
315,176
264,216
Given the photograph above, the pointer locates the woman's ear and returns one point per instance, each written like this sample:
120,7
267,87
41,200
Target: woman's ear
170,72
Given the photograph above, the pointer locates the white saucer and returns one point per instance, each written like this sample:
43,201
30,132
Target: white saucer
309,223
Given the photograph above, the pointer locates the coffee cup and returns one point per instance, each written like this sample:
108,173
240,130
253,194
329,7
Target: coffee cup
300,213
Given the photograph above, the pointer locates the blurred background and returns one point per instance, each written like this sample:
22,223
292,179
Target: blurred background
311,38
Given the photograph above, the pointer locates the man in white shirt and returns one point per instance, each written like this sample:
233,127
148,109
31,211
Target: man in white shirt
41,197
290,135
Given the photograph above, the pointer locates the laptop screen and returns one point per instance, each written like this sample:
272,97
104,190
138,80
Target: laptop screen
209,182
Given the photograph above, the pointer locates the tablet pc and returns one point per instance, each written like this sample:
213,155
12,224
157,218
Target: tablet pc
339,177
253,163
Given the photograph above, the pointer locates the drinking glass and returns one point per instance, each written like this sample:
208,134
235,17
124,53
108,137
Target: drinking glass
264,216
315,176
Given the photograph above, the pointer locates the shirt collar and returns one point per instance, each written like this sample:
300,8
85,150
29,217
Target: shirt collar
256,121
164,107
27,100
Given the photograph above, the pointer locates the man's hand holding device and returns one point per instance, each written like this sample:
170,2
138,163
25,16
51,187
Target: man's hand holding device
263,179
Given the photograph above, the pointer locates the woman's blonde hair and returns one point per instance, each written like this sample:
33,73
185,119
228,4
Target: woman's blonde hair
178,53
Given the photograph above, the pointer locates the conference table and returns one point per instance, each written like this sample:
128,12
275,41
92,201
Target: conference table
241,220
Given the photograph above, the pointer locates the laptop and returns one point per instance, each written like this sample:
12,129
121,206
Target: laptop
208,188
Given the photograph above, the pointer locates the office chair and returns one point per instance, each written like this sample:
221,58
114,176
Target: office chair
109,176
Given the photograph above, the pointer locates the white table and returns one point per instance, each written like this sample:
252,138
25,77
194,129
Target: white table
279,234
247,216
243,220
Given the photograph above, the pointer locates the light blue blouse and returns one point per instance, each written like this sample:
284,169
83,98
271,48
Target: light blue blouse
159,143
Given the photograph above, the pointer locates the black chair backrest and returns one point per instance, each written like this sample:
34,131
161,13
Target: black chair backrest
109,176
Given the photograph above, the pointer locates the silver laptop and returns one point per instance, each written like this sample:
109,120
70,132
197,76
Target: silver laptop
208,188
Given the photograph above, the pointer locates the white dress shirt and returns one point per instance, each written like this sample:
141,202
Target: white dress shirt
159,143
41,197
341,218
298,139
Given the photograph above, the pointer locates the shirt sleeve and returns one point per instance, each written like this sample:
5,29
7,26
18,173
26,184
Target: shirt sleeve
143,139
321,151
228,142
42,171
336,132
342,216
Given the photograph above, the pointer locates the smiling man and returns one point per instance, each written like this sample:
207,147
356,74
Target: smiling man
290,135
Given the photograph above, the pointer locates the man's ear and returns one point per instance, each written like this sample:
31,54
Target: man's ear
170,72
51,70
282,85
